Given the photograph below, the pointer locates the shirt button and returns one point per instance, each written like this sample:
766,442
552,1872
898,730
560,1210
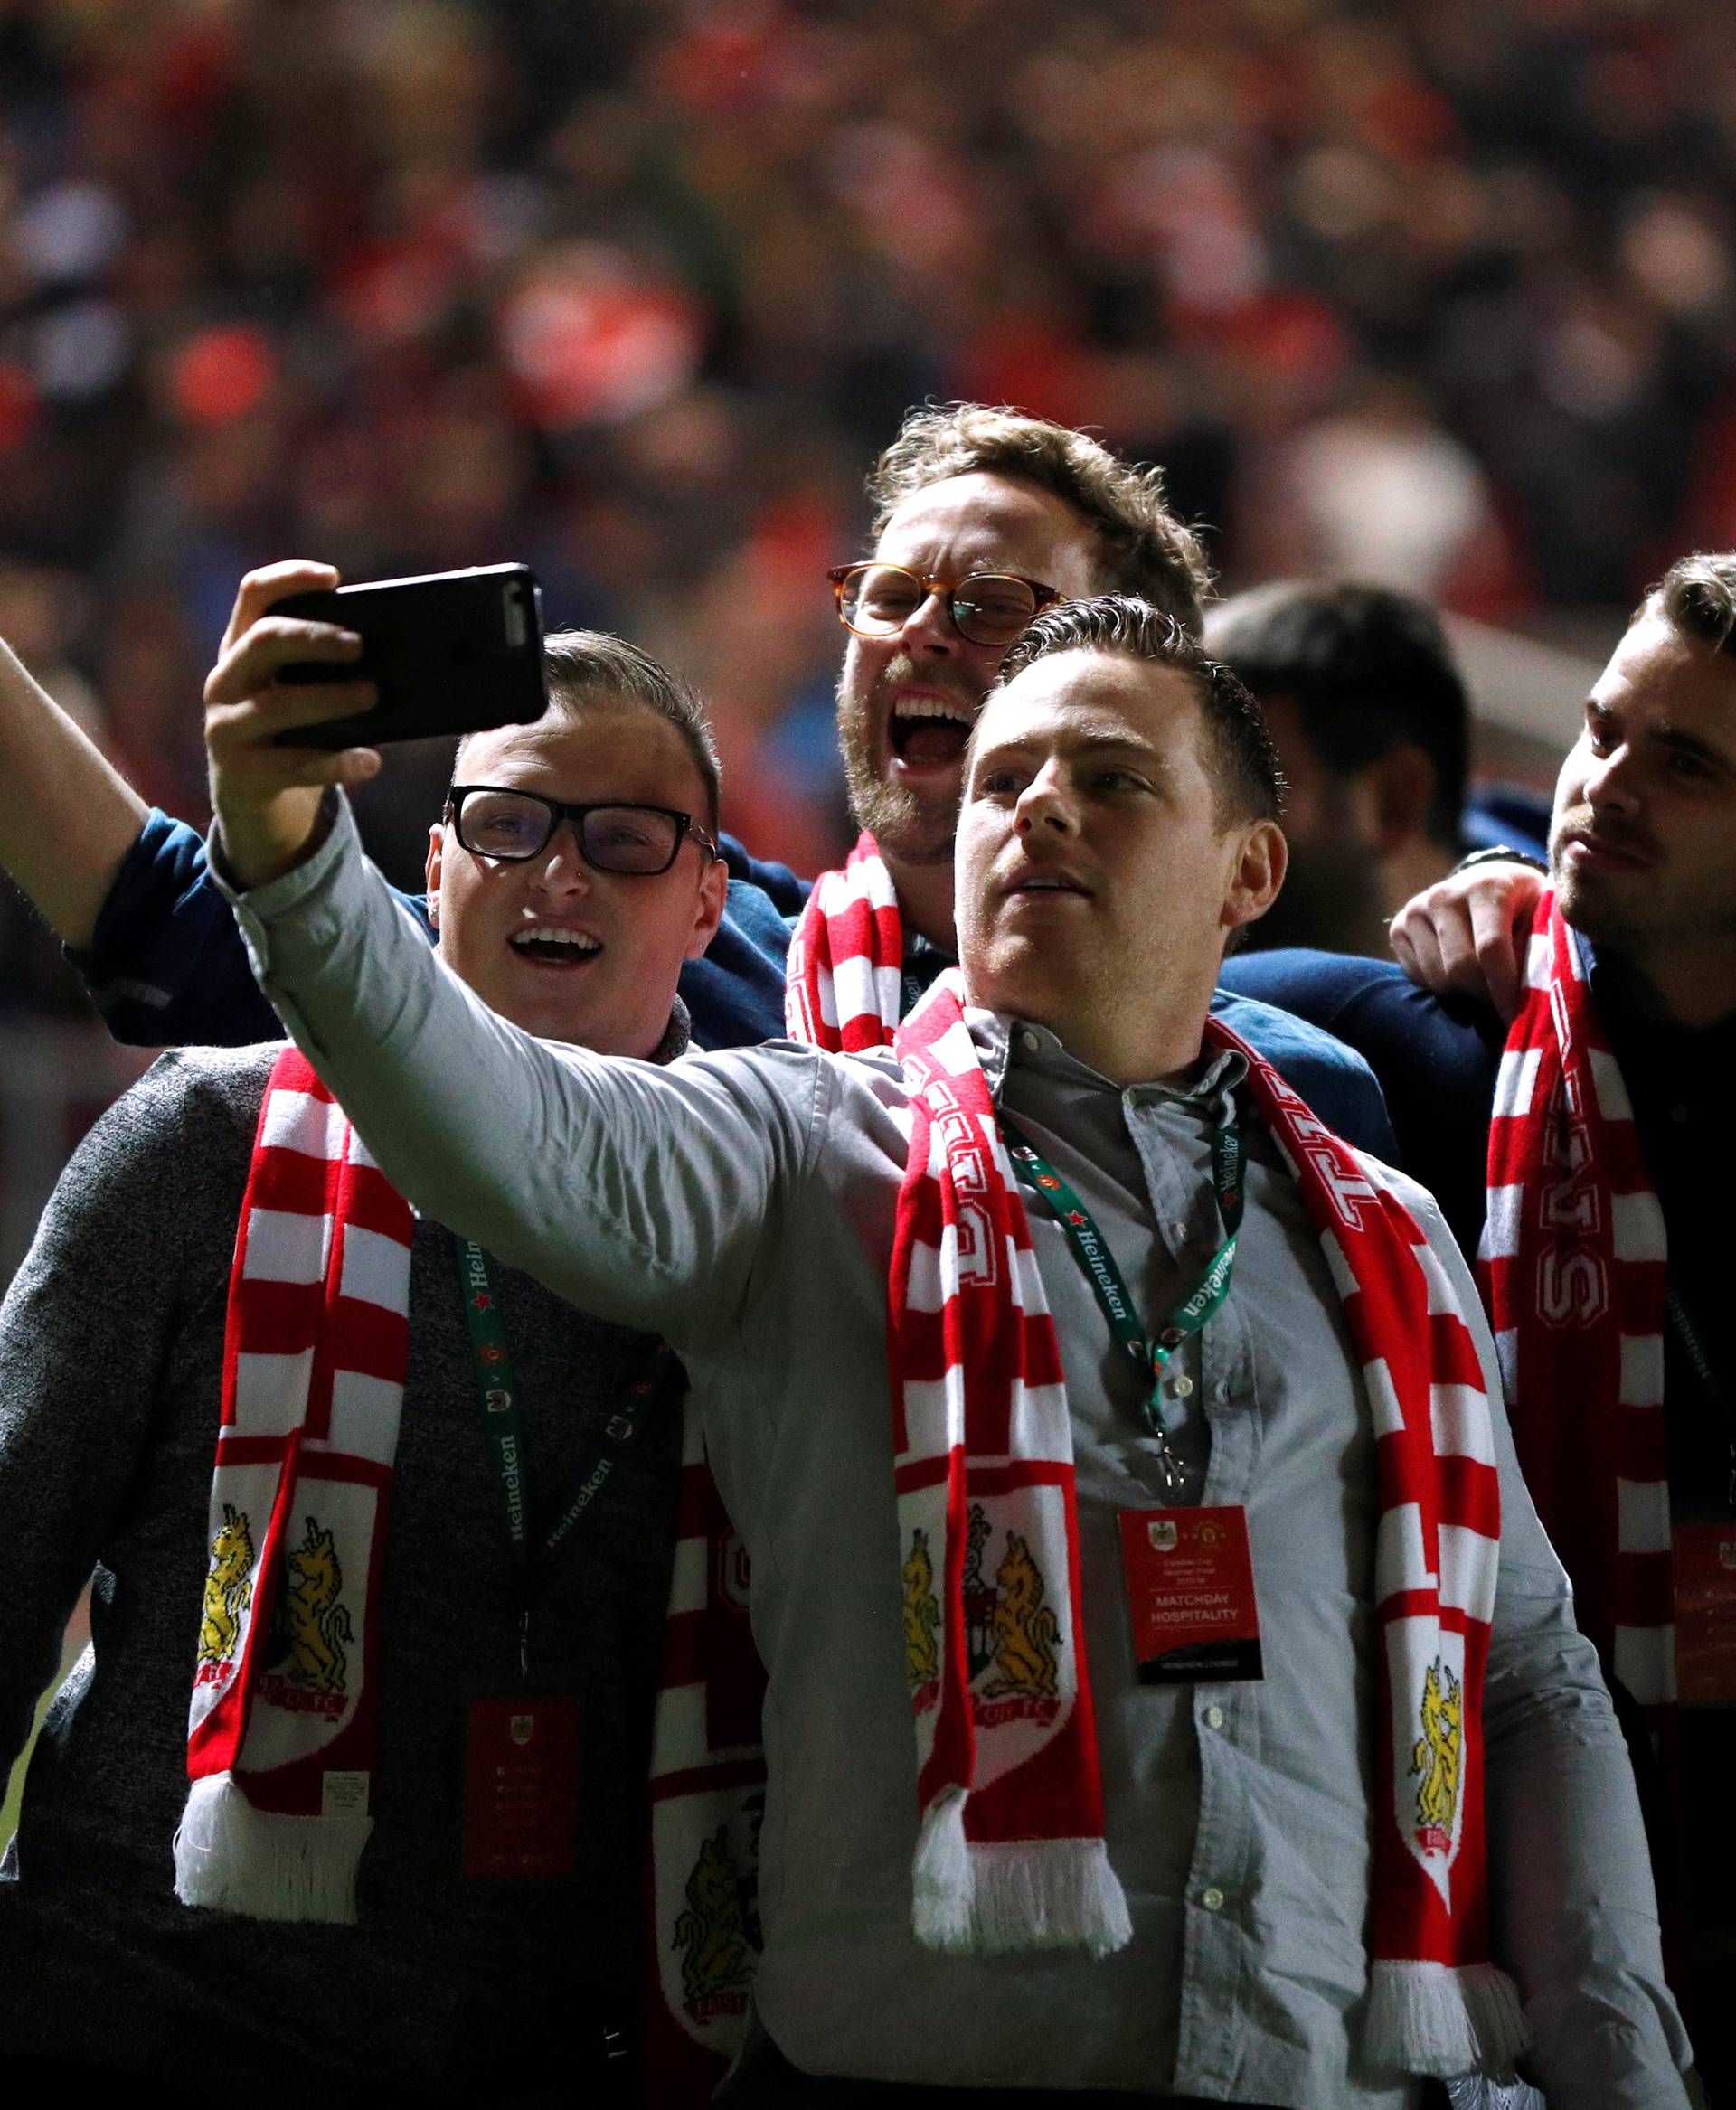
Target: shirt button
1028,1042
1215,1718
1213,1900
1679,1112
1178,1231
1179,1388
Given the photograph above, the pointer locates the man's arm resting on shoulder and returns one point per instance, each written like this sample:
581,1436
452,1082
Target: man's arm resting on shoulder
1573,1915
123,887
67,816
1463,937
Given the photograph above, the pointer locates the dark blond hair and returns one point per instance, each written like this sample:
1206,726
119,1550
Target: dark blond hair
590,667
1697,594
1142,547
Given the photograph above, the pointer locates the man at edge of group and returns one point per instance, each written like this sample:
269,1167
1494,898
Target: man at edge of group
1613,1159
967,497
343,1901
983,1865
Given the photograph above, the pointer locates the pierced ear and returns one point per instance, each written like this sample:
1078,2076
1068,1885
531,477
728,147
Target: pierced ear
1257,874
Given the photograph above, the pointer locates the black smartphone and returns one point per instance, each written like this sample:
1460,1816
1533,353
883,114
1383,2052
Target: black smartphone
451,652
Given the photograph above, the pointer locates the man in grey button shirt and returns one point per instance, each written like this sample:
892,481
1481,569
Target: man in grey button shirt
744,1204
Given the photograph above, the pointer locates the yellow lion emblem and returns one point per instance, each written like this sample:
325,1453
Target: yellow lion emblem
1437,1755
921,1614
317,1624
712,1931
1026,1630
228,1591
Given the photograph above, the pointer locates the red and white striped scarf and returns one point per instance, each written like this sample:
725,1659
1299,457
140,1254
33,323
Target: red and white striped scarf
843,980
281,1747
708,1795
1010,1851
1574,1264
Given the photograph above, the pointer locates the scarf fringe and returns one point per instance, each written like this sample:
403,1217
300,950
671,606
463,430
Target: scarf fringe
1434,2018
232,1857
1480,2092
1031,1893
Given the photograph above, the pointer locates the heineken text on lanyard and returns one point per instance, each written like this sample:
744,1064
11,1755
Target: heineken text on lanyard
1091,1249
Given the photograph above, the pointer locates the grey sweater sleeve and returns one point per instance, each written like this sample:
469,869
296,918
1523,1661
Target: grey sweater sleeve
86,1332
644,1195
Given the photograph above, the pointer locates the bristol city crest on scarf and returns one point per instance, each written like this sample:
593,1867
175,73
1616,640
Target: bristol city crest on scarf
281,1735
1010,1851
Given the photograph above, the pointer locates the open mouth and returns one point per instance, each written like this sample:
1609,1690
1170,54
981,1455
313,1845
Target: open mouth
552,946
1045,886
930,732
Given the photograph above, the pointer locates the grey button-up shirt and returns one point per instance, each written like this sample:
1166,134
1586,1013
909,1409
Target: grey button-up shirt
743,1204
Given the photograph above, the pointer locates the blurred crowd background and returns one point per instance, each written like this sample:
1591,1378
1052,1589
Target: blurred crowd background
635,289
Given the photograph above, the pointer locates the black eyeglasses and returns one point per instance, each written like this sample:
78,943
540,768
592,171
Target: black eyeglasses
989,607
516,825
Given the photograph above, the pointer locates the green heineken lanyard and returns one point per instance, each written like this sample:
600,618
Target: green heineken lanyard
1149,1357
498,1384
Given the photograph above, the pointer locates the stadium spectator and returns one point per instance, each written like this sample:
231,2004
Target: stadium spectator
386,1914
1370,714
1587,1149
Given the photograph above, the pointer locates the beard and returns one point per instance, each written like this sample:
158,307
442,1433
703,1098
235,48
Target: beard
1332,900
913,826
1620,920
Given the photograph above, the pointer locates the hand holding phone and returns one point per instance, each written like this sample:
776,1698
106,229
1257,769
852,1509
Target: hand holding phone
450,652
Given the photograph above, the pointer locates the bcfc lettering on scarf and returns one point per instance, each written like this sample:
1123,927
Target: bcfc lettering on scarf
1572,1283
967,1161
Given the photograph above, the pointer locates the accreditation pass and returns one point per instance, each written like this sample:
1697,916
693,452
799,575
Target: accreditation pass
1191,1592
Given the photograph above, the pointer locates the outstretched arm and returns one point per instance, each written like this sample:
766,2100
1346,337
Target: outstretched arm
1464,935
68,816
